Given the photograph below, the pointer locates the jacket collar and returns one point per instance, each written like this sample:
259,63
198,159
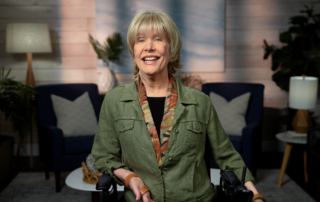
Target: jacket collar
129,92
185,96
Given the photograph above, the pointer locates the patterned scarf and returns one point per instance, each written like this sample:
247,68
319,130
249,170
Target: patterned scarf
167,120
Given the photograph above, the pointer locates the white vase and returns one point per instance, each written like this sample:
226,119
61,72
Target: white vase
107,79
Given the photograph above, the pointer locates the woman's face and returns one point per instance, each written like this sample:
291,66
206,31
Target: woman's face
151,54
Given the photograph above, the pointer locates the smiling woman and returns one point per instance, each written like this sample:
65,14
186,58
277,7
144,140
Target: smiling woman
159,126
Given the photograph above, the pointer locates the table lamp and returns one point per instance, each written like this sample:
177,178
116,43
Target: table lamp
302,96
28,38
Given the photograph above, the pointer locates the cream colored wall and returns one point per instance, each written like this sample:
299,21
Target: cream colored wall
248,22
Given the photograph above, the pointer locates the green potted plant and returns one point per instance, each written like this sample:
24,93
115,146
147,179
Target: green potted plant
300,53
109,51
17,105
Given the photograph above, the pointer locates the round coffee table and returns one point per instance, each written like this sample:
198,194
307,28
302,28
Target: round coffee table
74,180
291,140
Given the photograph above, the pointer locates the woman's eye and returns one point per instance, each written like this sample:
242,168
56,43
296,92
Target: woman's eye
158,39
140,40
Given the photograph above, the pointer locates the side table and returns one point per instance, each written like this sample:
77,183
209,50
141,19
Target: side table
74,180
291,140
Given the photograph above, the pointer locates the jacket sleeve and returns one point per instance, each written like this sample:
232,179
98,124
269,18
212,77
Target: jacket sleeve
222,151
106,148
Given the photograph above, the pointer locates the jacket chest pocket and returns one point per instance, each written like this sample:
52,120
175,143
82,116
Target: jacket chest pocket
125,128
194,133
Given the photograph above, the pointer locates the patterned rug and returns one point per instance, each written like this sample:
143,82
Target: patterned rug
32,187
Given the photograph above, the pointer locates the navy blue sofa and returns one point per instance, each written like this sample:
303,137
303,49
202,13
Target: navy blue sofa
249,144
58,153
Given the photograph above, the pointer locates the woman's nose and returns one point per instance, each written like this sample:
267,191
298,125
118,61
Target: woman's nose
149,45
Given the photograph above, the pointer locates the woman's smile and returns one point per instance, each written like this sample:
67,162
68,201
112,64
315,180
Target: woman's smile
150,59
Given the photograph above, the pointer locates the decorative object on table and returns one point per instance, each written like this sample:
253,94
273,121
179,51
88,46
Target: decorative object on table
59,153
88,176
107,79
302,96
28,38
17,104
189,80
90,164
294,135
300,53
109,52
192,81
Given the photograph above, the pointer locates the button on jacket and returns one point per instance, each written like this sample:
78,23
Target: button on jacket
183,175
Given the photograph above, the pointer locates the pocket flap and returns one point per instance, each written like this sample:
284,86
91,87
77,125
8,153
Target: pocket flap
194,126
124,125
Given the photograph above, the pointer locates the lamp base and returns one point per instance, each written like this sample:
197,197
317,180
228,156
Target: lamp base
30,77
301,121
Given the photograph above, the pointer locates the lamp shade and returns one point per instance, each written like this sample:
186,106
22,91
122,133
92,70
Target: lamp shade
303,92
27,38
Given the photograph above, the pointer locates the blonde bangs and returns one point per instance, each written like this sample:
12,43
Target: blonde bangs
151,23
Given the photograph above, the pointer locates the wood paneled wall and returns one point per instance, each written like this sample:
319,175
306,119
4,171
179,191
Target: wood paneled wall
248,22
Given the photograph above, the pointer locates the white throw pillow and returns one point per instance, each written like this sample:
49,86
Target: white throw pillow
231,114
75,118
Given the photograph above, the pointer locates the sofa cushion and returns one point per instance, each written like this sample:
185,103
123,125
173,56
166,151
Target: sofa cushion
78,145
231,114
75,118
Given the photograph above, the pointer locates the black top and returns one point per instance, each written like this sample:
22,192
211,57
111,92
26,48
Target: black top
156,105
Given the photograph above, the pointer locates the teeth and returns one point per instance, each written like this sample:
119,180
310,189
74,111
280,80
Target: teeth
150,58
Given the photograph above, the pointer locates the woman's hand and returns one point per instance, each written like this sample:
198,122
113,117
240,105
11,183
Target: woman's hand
135,185
250,186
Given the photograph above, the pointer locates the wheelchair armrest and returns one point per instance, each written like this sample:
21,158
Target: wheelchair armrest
229,178
232,188
104,182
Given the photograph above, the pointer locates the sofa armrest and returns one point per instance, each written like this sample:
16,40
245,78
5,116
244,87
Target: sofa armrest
251,143
250,129
50,141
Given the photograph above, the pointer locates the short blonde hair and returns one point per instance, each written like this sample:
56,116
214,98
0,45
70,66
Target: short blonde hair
161,22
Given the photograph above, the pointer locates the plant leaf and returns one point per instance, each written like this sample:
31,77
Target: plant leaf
285,37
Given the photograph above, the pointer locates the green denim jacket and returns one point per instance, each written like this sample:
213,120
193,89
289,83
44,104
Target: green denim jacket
183,175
